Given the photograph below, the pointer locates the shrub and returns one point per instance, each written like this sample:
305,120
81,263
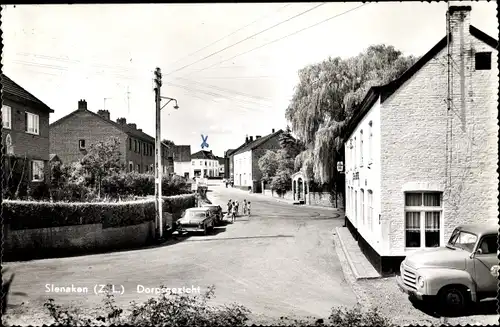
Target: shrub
168,309
39,191
31,214
73,192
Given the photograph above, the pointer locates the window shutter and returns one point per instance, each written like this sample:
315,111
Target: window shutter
25,121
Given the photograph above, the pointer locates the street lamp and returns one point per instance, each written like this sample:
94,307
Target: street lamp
158,170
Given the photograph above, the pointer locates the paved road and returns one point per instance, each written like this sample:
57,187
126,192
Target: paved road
279,261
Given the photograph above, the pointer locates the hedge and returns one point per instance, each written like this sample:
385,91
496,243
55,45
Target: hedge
31,215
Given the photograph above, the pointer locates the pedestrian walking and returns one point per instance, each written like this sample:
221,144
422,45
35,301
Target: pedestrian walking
233,213
237,207
244,206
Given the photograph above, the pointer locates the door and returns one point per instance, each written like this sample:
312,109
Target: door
484,261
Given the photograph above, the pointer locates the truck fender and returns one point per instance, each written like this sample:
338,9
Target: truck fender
437,278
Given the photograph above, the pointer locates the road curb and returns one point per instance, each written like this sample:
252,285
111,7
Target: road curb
347,256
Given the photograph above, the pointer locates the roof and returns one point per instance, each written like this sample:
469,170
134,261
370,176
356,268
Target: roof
221,160
490,227
202,154
256,143
124,128
182,153
53,156
385,91
12,88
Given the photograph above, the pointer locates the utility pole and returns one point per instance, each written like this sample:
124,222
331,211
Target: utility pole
158,175
128,101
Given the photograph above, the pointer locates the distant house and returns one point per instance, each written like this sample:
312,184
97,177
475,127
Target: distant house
245,159
222,165
204,164
72,135
416,167
25,132
182,160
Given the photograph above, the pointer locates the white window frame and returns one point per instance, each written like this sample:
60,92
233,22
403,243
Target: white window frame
370,209
34,121
80,144
6,117
362,206
41,172
422,210
361,159
370,143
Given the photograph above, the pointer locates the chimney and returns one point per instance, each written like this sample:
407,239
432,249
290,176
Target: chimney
133,126
140,130
459,24
251,138
272,131
246,139
82,105
104,114
257,137
122,121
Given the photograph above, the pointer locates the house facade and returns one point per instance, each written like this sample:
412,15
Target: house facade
247,174
25,132
222,167
182,160
416,166
204,164
72,135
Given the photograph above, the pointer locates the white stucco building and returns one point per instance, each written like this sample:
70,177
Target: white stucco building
204,164
416,169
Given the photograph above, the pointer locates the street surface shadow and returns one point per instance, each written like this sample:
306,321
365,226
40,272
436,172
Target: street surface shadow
241,238
484,307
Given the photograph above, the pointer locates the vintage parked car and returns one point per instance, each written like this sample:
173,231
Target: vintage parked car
457,275
216,211
196,220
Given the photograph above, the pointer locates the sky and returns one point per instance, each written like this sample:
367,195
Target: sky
220,61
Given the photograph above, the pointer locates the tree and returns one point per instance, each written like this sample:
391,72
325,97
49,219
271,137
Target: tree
268,165
168,142
290,144
326,98
102,159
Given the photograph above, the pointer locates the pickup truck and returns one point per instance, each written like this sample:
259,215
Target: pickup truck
464,271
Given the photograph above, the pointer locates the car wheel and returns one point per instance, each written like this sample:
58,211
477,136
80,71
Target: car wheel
453,300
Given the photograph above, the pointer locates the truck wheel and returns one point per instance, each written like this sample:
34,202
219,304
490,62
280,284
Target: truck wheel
453,300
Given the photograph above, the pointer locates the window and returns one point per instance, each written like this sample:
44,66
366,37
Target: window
135,145
37,170
362,205
138,168
488,244
370,210
7,117
361,149
192,163
205,163
483,60
32,123
130,144
130,165
422,219
140,143
81,144
355,152
370,143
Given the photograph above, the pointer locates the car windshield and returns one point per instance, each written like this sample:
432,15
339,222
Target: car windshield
194,214
462,240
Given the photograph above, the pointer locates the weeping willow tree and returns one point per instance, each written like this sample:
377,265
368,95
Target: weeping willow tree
326,98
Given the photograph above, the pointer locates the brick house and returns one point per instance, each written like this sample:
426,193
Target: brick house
247,174
204,164
182,160
71,136
25,132
416,169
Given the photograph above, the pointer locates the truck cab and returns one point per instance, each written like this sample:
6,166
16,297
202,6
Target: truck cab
462,272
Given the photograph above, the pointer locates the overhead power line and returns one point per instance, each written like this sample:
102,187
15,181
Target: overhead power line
247,38
228,35
278,39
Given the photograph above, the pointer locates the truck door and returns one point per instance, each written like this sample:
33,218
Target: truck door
484,261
